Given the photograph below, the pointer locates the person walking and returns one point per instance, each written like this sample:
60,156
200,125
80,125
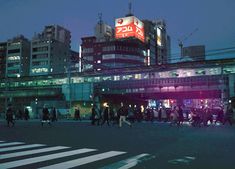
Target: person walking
228,115
77,114
26,114
123,112
105,115
10,116
45,115
181,116
53,114
94,116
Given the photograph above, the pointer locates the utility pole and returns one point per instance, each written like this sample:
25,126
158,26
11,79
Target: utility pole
69,83
6,92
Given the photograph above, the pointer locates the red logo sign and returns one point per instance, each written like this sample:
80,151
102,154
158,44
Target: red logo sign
129,27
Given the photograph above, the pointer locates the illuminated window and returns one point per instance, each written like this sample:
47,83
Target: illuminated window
40,70
13,57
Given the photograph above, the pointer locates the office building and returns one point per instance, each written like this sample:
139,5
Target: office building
18,57
50,51
193,53
3,53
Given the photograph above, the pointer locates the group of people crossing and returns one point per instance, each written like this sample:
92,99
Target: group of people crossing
123,114
109,115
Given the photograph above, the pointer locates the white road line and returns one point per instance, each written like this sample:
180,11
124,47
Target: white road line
20,147
30,152
10,144
84,160
128,163
133,161
2,141
44,158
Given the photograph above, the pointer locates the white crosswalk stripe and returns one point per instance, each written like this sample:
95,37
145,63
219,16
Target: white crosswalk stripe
33,160
10,144
30,152
20,147
84,160
19,157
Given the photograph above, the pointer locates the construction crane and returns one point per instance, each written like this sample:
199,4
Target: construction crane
184,39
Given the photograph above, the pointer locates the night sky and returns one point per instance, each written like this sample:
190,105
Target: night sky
215,19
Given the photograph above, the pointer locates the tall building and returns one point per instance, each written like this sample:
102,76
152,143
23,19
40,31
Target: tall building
103,32
150,40
111,54
134,43
18,55
74,61
163,42
3,53
168,47
193,53
50,51
158,41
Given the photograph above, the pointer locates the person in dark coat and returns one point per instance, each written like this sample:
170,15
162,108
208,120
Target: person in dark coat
181,116
45,115
77,114
53,114
9,116
228,115
94,115
26,114
105,116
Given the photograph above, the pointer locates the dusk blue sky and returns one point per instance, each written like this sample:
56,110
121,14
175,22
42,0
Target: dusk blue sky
215,19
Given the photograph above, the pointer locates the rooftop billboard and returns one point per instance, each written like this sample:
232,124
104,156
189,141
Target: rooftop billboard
129,27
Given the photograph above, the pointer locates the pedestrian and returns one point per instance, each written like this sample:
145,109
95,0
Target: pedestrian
174,116
181,115
94,115
77,114
26,114
123,112
53,114
45,116
228,115
10,116
105,115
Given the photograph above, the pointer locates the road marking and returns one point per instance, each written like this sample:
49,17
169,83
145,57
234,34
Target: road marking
30,152
2,141
184,160
44,158
190,158
10,144
20,147
84,160
128,163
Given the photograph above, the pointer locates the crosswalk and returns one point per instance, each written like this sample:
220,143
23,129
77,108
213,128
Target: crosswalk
20,154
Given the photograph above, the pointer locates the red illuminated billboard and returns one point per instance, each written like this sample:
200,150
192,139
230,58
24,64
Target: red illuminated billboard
129,27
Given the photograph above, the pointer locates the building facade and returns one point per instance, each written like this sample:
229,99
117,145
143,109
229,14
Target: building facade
194,53
18,57
3,53
97,56
50,51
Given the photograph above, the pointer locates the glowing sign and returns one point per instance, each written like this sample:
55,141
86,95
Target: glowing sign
129,27
159,37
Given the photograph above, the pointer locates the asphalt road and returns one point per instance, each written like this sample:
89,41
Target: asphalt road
143,146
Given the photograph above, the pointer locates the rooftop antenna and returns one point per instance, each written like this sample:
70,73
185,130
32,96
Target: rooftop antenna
100,21
129,9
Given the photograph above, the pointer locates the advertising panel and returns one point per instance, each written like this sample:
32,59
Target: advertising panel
159,37
129,27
